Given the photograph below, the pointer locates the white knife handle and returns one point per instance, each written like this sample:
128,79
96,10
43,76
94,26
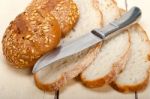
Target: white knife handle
122,23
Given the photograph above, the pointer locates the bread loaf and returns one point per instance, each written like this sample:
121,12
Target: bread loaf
38,30
30,36
55,76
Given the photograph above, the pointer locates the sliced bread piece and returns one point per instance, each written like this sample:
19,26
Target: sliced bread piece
114,52
135,76
58,74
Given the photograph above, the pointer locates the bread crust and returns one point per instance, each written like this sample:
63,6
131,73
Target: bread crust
38,30
67,15
111,76
141,85
68,75
131,88
29,36
65,11
50,87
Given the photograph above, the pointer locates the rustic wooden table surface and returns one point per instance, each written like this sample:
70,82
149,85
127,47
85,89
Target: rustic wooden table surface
19,84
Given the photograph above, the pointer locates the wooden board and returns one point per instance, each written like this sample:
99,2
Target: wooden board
19,84
75,90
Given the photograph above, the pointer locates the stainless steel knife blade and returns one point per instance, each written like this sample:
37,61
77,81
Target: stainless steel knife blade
88,40
66,50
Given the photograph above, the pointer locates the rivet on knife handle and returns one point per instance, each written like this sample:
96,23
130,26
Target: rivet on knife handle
125,21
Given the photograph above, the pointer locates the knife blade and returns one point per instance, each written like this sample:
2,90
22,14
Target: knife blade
88,40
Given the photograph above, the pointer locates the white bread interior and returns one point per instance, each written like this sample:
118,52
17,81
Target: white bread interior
55,76
114,52
135,76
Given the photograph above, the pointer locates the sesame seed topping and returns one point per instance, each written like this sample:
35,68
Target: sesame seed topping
28,36
21,60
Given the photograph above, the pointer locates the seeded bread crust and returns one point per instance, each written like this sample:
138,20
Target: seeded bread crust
38,30
29,37
65,11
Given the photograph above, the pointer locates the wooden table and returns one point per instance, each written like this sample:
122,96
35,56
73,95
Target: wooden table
19,84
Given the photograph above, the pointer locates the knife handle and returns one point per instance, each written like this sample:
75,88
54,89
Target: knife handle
120,24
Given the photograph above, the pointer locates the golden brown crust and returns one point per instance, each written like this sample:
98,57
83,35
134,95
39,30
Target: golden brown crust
65,11
98,82
29,36
67,15
111,76
68,75
142,85
50,87
38,30
131,88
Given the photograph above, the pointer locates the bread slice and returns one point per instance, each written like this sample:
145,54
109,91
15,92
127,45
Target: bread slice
135,76
58,74
114,52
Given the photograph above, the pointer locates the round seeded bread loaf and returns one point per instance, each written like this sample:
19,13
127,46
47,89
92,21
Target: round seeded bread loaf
38,30
29,37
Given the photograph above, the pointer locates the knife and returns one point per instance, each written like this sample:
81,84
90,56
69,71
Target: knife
93,37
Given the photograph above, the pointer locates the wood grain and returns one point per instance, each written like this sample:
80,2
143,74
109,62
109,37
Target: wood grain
75,90
56,95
